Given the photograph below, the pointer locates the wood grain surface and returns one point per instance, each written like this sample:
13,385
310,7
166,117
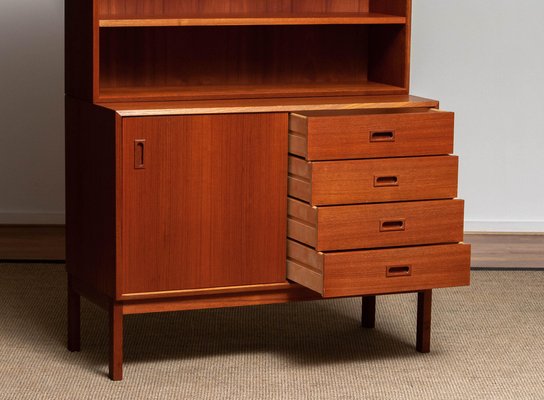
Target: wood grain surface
355,273
372,181
258,19
246,91
361,226
293,293
507,251
179,8
346,135
249,61
208,208
33,242
146,56
390,49
162,108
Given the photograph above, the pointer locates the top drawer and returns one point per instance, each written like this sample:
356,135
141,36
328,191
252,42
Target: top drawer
327,135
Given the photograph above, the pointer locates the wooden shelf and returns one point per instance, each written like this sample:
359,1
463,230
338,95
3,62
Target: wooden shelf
154,93
241,106
287,19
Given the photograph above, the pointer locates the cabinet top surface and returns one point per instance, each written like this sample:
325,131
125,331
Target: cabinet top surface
137,109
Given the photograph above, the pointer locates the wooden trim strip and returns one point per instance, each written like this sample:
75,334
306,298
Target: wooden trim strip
342,19
305,256
298,144
137,109
205,291
301,189
298,123
292,292
304,275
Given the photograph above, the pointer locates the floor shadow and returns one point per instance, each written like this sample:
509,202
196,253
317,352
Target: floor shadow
307,333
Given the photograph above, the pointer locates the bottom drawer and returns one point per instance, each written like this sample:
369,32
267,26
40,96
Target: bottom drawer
368,272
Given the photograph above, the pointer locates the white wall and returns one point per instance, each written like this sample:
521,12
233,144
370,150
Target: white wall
485,61
482,59
31,111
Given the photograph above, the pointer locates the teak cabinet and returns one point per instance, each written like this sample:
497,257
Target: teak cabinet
242,152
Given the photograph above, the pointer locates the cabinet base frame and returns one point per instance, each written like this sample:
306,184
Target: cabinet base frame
118,309
74,318
368,315
424,306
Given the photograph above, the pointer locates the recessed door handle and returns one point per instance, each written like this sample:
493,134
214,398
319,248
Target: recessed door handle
139,154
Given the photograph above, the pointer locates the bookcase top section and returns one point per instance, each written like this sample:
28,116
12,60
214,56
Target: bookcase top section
364,18
197,50
239,106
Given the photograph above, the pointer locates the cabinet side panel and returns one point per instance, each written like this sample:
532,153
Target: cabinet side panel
79,48
389,52
90,195
205,204
388,60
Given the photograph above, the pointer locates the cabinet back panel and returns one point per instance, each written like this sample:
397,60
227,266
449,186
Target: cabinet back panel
207,207
394,7
180,8
258,55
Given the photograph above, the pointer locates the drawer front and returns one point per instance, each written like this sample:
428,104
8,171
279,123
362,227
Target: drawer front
376,225
332,136
370,272
373,181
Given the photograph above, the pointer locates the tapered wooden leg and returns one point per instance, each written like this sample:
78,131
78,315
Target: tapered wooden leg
424,306
368,315
116,342
74,319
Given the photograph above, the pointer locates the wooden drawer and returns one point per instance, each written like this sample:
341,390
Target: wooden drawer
370,134
375,225
368,272
373,181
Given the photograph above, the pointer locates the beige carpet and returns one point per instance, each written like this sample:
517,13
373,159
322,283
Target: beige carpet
488,343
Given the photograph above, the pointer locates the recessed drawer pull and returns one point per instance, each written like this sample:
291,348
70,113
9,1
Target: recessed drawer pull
386,181
398,271
139,154
392,225
382,136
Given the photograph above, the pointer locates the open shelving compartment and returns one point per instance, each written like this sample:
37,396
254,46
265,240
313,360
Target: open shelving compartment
180,50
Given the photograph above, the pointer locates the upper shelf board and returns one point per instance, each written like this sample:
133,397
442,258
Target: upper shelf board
241,106
306,19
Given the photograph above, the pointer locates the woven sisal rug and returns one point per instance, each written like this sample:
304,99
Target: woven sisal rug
487,343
